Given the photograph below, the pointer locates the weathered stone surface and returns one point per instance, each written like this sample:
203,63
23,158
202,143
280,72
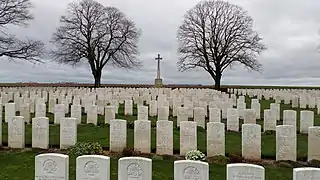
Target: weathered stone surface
16,132
306,173
134,168
118,135
242,171
40,132
52,166
286,143
93,167
215,139
193,170
142,136
188,137
68,132
314,143
251,141
164,144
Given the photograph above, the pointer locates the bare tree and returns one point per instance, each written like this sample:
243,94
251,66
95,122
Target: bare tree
215,35
17,12
97,34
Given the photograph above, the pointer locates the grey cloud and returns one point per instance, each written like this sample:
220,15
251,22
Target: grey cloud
289,28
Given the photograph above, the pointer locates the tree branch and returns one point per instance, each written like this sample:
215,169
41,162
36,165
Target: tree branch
97,34
17,12
215,35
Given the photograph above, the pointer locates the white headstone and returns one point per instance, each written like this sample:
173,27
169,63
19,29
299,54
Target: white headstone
241,106
142,136
257,109
109,114
143,113
215,139
275,108
40,110
40,132
153,108
214,115
93,167
52,166
249,116
92,115
16,132
164,144
306,173
199,116
134,168
25,111
128,107
59,113
188,137
76,112
100,106
242,171
314,143
68,132
163,113
290,117
232,119
182,115
251,141
286,143
187,169
118,135
9,111
306,121
269,121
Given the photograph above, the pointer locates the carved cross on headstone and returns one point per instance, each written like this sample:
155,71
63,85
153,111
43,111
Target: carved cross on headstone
158,68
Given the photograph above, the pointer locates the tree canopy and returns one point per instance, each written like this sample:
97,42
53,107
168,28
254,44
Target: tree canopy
216,35
98,35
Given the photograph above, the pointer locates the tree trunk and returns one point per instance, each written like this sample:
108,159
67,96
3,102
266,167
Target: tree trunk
97,78
217,82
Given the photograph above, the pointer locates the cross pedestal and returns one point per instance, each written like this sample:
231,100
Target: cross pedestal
158,82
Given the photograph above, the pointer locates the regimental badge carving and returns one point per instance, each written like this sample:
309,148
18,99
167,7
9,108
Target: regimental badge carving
38,124
134,171
91,168
283,152
250,140
14,121
49,166
286,132
117,126
142,126
191,173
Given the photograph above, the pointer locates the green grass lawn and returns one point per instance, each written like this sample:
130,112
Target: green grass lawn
21,164
100,133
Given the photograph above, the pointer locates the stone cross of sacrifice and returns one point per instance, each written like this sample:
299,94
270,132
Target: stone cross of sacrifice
158,68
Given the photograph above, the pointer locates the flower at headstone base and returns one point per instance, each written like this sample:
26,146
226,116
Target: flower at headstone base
85,148
195,155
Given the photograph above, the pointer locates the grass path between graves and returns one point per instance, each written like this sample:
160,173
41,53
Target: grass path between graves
17,165
100,134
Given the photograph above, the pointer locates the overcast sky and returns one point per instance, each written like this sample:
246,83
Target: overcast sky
289,29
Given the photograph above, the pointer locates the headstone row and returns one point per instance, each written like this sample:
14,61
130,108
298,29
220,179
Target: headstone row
286,137
56,166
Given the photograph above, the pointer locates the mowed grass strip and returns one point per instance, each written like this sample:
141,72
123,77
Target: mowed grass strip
16,165
100,133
